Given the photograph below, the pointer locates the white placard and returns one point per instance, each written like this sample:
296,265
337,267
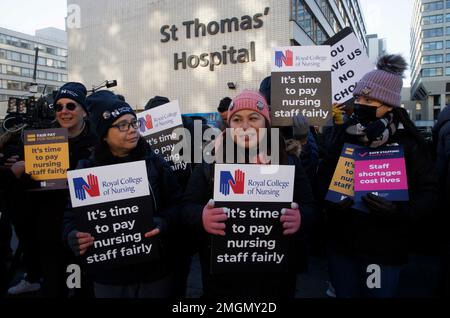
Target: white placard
108,183
253,183
301,59
349,63
160,118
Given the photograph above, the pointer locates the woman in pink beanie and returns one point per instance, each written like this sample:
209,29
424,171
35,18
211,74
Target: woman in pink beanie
250,123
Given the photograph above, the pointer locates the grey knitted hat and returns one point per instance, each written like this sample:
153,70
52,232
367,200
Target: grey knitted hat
300,126
385,83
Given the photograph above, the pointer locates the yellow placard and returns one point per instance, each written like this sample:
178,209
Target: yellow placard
342,181
47,161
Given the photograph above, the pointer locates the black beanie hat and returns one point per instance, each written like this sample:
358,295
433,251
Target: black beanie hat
74,91
156,101
105,109
264,88
224,104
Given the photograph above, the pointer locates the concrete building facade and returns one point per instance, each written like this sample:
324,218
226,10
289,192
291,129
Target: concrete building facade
193,50
375,47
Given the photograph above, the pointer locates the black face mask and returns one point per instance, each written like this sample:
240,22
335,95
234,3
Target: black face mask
365,114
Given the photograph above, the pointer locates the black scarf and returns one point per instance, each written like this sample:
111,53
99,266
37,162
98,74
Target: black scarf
376,133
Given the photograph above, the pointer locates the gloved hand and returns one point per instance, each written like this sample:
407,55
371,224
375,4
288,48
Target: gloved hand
293,147
291,219
160,227
18,168
342,205
79,242
338,113
381,207
213,219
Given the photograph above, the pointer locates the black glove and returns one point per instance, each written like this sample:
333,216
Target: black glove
381,207
342,205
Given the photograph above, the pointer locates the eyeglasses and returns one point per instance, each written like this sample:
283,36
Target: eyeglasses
69,106
125,126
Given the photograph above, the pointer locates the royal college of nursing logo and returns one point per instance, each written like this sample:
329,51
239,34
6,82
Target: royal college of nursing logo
90,187
286,58
146,123
236,184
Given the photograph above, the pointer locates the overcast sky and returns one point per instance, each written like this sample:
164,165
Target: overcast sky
390,19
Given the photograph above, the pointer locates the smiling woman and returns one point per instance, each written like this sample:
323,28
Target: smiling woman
119,142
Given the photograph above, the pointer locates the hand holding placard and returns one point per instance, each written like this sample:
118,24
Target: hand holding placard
291,219
213,219
79,242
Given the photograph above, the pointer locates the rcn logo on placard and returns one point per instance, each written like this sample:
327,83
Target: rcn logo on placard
90,187
146,123
286,58
236,184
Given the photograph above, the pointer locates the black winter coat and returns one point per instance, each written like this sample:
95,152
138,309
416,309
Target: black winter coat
166,195
381,240
199,191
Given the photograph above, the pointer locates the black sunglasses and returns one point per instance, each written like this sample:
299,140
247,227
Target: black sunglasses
69,106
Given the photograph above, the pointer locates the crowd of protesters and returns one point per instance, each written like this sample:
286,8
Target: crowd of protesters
185,216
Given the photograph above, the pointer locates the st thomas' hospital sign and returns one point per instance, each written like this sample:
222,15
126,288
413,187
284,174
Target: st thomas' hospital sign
225,55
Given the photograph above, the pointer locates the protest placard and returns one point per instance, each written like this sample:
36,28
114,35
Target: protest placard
158,127
255,195
47,157
349,63
301,84
381,171
113,204
342,183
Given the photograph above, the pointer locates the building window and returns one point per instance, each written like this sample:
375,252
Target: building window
13,70
13,85
430,46
304,18
447,71
447,4
41,61
436,100
26,72
429,59
431,72
433,19
418,117
24,58
433,32
3,54
418,106
302,15
41,74
15,56
432,6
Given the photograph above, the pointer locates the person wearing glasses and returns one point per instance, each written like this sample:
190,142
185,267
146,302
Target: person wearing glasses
71,112
120,142
38,215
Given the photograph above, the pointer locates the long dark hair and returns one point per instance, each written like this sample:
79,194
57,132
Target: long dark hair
283,156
